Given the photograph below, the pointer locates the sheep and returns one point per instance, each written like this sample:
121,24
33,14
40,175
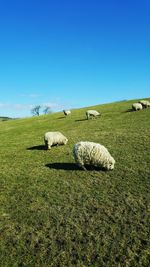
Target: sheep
145,103
66,112
54,138
137,106
92,113
94,154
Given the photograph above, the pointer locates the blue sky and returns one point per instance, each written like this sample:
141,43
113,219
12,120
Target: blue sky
70,54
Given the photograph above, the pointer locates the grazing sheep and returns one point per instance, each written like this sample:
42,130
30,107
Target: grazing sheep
145,103
54,138
90,153
137,106
92,114
66,112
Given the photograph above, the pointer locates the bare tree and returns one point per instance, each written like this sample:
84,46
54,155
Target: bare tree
36,110
47,110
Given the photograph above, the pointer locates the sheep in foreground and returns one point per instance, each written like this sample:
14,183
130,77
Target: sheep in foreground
54,138
137,106
145,103
92,114
90,153
66,112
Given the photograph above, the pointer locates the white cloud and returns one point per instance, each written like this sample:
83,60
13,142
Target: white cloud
20,107
24,110
15,106
52,105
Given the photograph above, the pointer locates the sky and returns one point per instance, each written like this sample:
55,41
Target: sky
69,54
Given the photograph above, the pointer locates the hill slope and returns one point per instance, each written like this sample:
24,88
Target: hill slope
53,213
5,118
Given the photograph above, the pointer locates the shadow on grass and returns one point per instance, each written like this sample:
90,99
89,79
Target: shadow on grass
81,120
72,167
61,118
129,110
63,166
41,147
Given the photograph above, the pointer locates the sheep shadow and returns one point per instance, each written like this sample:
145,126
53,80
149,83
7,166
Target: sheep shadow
81,120
72,167
63,166
40,147
60,118
129,110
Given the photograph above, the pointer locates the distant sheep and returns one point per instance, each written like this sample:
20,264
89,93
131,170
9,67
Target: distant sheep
137,106
90,153
145,103
92,114
54,138
66,112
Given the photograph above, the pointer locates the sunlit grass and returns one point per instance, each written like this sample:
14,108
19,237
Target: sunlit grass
54,214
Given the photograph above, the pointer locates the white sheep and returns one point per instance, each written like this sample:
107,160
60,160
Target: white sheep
92,114
66,112
145,103
54,138
90,153
137,106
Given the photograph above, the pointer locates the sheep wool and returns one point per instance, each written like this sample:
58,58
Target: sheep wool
90,153
66,112
137,106
145,103
54,138
92,114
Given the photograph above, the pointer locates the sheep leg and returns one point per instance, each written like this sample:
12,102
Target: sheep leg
82,167
48,146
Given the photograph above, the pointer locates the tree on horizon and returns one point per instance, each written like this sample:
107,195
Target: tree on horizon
36,110
47,110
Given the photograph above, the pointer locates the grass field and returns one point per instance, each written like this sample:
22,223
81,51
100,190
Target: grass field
54,214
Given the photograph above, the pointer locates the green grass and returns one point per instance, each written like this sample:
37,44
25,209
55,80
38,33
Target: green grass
54,214
5,118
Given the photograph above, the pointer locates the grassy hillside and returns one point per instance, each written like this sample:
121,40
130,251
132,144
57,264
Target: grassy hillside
5,118
54,214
